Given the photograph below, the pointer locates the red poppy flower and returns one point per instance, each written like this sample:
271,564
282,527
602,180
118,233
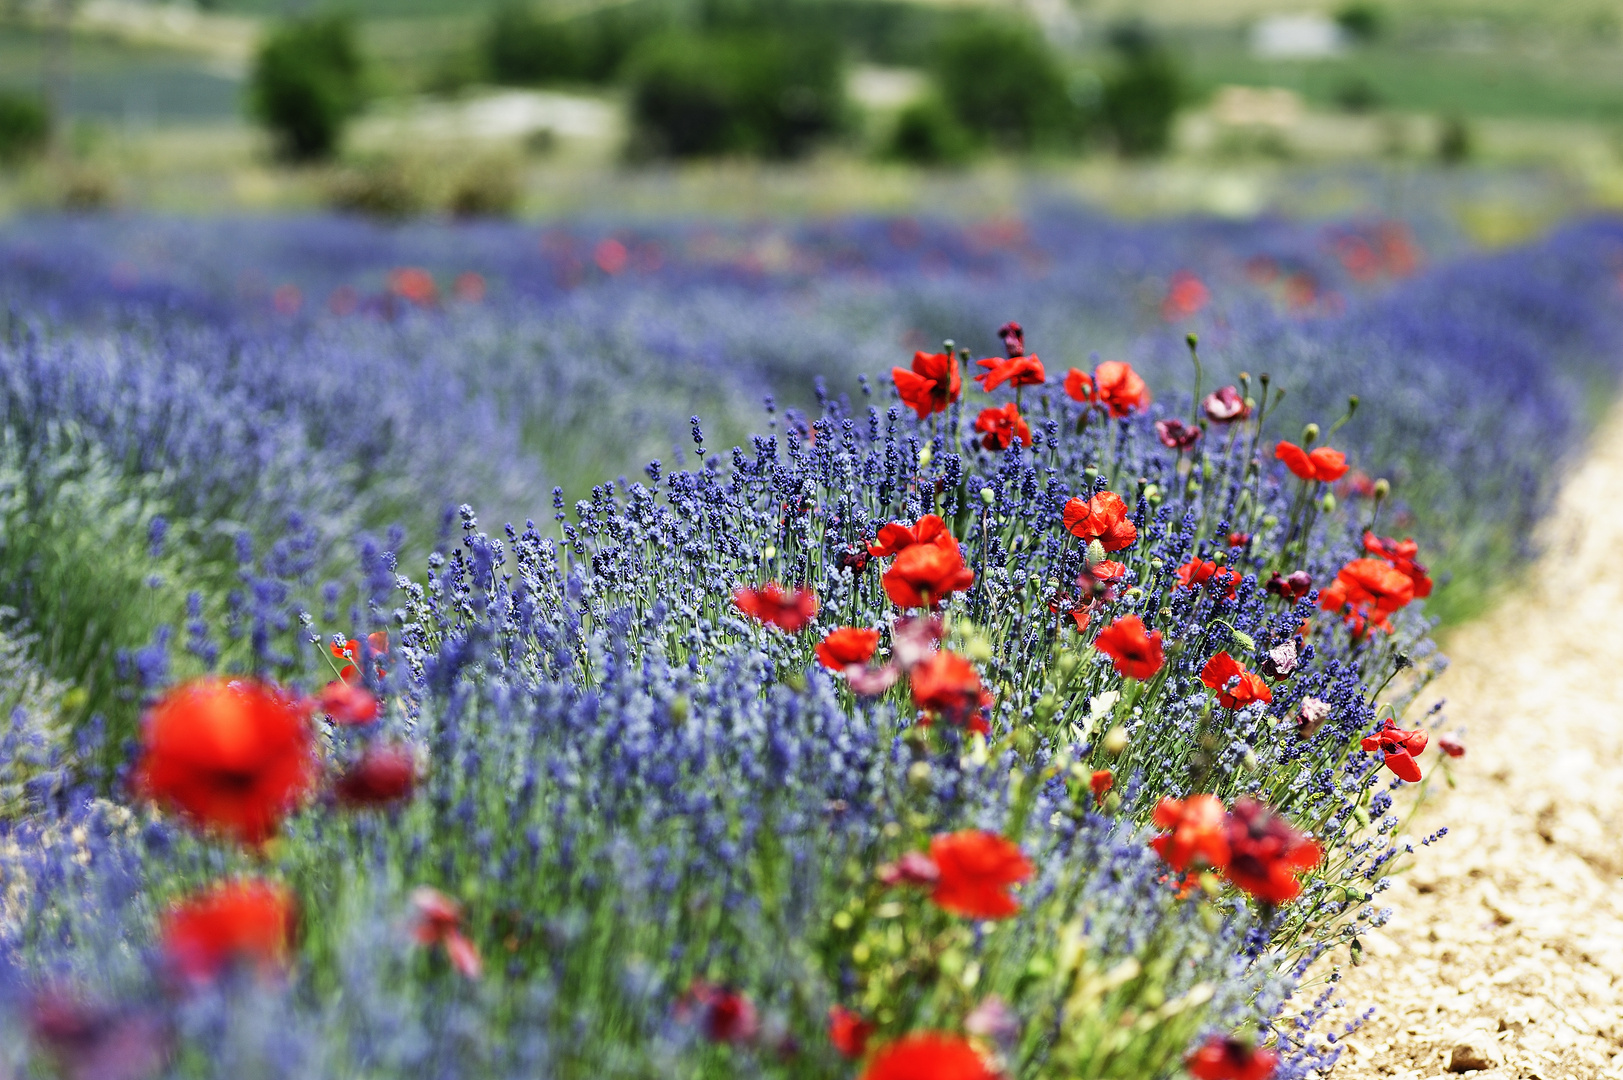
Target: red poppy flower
1451,746
439,923
346,704
1370,590
946,685
1238,539
846,646
1186,295
237,922
929,1055
848,1031
1118,388
377,644
1220,1058
1198,831
1079,386
1400,747
932,385
86,1041
1102,518
895,536
1266,854
1197,572
1002,426
1100,783
1225,405
1324,464
1221,670
232,756
925,574
1175,434
775,606
975,871
1017,370
1136,654
724,1015
1401,554
383,775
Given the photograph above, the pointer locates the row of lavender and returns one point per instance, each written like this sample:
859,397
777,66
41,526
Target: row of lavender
689,831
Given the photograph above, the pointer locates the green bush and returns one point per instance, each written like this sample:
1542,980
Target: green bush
1361,21
749,92
385,188
523,48
1140,98
306,84
1005,86
25,126
926,133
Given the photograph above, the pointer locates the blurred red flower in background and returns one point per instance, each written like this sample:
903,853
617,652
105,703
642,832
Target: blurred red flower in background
976,870
1324,464
846,646
240,922
1220,1058
1017,370
1266,853
776,606
946,685
1198,831
929,1055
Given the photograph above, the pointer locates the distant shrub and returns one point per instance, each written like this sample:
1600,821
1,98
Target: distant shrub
384,189
747,92
1002,83
1361,21
306,84
1140,99
489,187
1454,140
523,47
25,126
1357,95
926,133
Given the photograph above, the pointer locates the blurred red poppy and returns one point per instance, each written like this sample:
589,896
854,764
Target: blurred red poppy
344,703
1177,435
1266,853
1118,388
1198,832
1293,586
929,1055
1222,670
846,646
932,384
1018,370
414,284
1102,518
1401,554
723,1015
895,536
1100,784
1220,1058
1324,464
239,922
946,685
1197,572
1400,749
438,922
976,870
232,756
925,574
848,1031
776,606
1136,654
1225,405
1186,295
1002,426
382,775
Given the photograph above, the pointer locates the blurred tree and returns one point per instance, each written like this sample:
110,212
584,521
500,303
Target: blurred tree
522,47
1140,98
743,92
25,126
1361,21
306,84
1454,142
1005,86
926,133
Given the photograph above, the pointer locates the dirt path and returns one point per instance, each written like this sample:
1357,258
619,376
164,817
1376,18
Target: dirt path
1506,950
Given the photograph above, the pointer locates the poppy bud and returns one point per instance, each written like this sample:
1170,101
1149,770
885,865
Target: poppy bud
1329,502
1115,741
924,456
1383,488
1309,434
1067,664
1096,552
769,552
988,496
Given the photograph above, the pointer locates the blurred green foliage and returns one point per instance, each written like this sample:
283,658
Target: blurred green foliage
927,133
1142,94
306,83
25,126
1004,84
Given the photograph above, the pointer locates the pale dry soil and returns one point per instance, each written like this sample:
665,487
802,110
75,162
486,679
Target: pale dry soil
1504,958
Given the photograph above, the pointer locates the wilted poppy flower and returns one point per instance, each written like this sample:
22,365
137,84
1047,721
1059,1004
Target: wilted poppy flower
929,1055
1002,426
925,574
1451,746
853,557
932,385
848,1031
90,1042
1311,715
871,681
1293,586
232,756
1198,830
1014,338
1225,405
1118,388
1102,518
975,871
914,638
896,537
1401,554
1136,654
438,923
776,606
993,1019
1175,434
1186,295
723,1015
948,686
1220,1058
1197,572
345,703
1400,747
1324,464
240,922
913,868
1280,661
1223,670
1017,370
1100,784
382,775
846,646
1266,854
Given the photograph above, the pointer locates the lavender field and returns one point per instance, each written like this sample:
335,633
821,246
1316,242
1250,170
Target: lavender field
822,711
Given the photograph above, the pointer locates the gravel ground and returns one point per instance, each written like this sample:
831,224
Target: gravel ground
1505,956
